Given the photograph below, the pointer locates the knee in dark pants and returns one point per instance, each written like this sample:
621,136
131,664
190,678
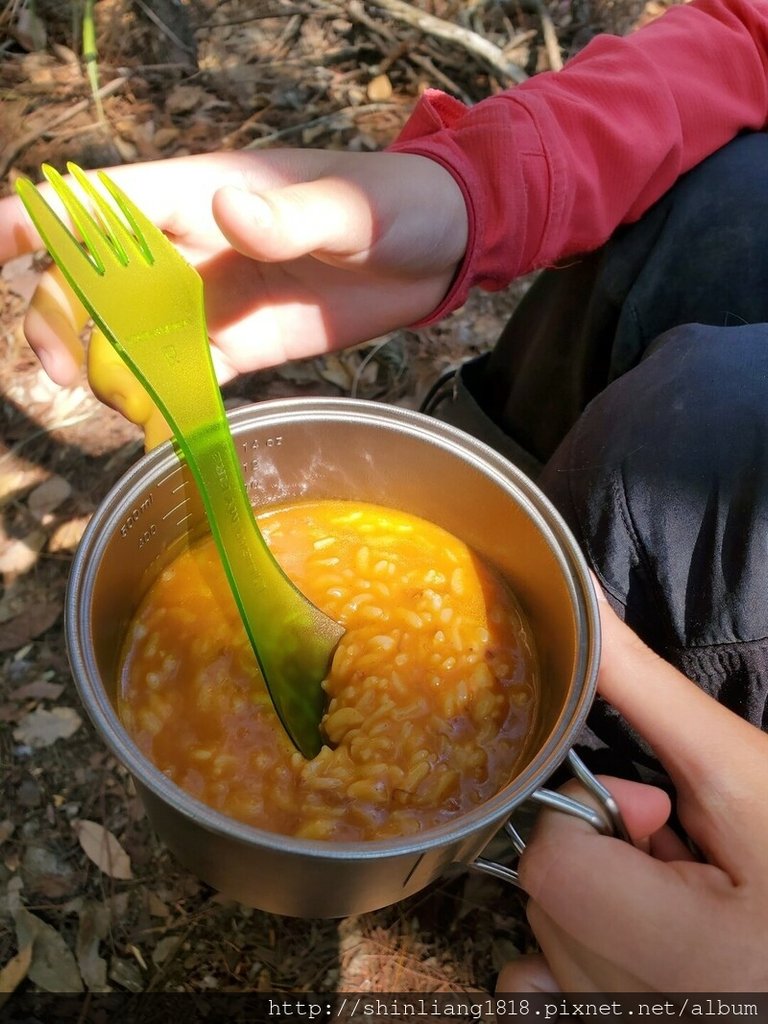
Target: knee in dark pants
664,480
697,256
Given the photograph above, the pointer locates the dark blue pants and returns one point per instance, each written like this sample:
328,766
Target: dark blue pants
634,385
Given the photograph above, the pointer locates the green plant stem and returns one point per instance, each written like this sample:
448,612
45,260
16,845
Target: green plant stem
91,57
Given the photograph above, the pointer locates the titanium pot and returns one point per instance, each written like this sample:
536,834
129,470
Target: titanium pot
329,448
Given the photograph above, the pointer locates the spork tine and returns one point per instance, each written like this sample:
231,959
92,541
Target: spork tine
148,301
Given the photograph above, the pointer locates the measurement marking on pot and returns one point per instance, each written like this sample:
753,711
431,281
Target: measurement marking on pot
134,515
166,478
176,508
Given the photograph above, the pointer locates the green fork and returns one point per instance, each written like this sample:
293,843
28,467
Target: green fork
148,302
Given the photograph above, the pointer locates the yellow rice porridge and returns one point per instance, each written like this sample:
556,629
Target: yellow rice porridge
431,692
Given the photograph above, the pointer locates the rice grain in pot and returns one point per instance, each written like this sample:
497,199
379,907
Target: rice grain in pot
432,690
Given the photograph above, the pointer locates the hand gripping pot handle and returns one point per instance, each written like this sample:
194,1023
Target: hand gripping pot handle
607,821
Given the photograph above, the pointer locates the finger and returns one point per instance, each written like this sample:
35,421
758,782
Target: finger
327,216
574,966
645,809
52,327
529,973
716,760
262,314
350,206
175,194
666,845
586,882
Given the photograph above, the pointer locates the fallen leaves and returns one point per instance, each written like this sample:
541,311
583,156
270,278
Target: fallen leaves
95,919
102,847
38,689
46,498
380,89
41,728
16,970
67,535
34,620
21,554
52,966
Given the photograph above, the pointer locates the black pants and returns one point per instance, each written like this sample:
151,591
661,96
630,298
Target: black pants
633,384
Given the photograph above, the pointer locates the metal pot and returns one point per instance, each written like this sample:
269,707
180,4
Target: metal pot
328,448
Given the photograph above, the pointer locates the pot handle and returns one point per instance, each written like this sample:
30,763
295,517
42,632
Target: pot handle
607,821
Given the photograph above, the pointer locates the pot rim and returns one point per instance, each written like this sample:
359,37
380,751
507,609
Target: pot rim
163,460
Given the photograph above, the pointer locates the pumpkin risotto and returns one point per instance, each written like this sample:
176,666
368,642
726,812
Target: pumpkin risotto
431,693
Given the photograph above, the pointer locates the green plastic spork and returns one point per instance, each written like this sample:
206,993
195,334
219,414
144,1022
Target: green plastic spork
148,302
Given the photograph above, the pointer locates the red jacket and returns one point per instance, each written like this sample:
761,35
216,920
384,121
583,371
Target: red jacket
552,167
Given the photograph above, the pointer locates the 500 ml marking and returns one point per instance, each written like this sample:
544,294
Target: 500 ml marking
134,516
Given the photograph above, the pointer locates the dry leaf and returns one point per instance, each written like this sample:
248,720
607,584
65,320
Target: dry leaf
48,874
127,974
12,482
14,601
156,906
38,689
19,556
103,849
53,966
183,98
21,276
165,948
16,970
31,622
67,536
41,728
29,30
379,89
95,919
165,137
335,372
48,496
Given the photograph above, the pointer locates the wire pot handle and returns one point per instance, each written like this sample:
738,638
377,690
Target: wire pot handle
607,821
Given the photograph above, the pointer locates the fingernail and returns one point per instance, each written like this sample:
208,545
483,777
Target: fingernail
48,361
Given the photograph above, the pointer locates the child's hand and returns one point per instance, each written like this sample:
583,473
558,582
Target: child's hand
301,251
613,918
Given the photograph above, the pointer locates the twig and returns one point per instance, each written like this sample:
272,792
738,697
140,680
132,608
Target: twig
551,44
13,149
284,133
277,12
165,29
357,11
423,61
476,44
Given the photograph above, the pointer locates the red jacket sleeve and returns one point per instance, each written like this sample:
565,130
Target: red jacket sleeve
552,167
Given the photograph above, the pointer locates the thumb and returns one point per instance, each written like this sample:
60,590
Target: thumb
405,210
329,216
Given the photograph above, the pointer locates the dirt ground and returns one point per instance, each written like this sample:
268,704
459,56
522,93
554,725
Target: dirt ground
183,78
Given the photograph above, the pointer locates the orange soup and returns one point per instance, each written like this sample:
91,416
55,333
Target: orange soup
431,692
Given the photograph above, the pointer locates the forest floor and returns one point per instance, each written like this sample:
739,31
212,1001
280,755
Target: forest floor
189,78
